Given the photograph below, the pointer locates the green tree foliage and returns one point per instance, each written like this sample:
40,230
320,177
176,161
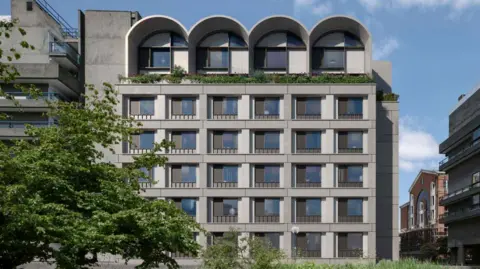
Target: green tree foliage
60,202
244,253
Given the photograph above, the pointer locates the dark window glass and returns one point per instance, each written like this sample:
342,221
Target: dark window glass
189,206
230,207
189,173
145,172
354,207
333,59
202,58
355,174
229,140
313,207
146,140
272,140
276,58
144,56
476,134
230,106
355,241
312,107
313,174
178,41
147,106
230,173
260,58
272,207
314,241
236,41
351,41
293,41
272,107
317,58
189,140
272,174
313,140
161,58
355,140
187,106
218,58
355,106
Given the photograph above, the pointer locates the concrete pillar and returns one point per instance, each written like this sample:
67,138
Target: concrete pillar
287,107
159,177
202,146
244,107
244,210
203,176
287,243
286,213
286,141
202,240
244,141
328,210
160,107
202,107
203,209
460,255
329,145
329,110
328,175
328,244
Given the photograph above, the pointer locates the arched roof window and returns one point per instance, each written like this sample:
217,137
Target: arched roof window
271,52
214,52
156,51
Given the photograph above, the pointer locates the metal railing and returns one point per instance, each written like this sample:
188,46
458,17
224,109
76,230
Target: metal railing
308,219
225,219
305,253
350,219
225,116
183,150
309,150
65,48
41,96
267,219
463,212
349,116
350,150
183,116
145,185
225,185
21,124
449,158
308,117
350,253
67,29
267,184
143,117
139,151
458,192
180,255
308,184
346,184
225,151
267,116
183,185
267,151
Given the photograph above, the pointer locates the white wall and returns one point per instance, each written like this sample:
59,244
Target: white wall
158,40
239,61
244,107
297,61
180,58
331,40
216,40
274,40
356,61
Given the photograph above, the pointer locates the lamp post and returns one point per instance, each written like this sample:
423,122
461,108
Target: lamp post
295,231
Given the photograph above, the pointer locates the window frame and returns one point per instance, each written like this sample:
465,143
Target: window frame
170,49
194,206
275,171
348,207
143,134
275,205
184,139
319,213
308,173
191,169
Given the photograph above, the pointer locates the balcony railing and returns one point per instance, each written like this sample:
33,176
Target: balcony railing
267,151
305,253
309,150
267,116
350,150
350,219
42,96
458,192
225,219
350,116
21,124
346,184
139,151
225,184
309,219
65,48
267,184
350,253
309,116
225,116
179,255
308,184
225,151
454,156
183,151
473,210
145,185
183,185
183,116
267,219
143,117
67,30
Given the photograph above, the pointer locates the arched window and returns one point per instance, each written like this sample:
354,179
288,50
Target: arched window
280,52
422,215
411,211
338,52
157,51
216,52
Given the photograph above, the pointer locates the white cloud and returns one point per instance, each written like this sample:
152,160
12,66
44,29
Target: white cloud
456,6
323,9
5,18
386,48
303,2
370,5
418,148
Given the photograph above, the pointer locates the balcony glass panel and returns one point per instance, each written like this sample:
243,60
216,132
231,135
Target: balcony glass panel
188,106
147,140
230,173
272,207
313,140
189,206
355,106
189,173
272,140
355,207
272,174
355,140
313,174
313,207
161,58
272,107
230,106
189,140
230,207
312,107
229,140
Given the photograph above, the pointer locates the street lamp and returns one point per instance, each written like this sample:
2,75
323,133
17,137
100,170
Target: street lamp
295,231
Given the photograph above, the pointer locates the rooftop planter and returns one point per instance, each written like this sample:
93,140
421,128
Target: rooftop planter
387,97
179,76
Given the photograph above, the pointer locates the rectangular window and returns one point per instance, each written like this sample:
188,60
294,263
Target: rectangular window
230,173
161,58
144,58
354,173
271,106
189,140
230,106
273,239
272,174
188,106
354,207
313,207
313,140
476,178
147,106
276,58
476,134
355,241
260,58
314,241
476,199
272,140
147,139
272,207
189,173
313,174
355,140
355,106
218,58
229,140
312,107
230,207
146,172
333,59
189,206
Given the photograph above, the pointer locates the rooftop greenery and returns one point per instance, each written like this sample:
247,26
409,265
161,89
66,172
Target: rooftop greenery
388,97
178,76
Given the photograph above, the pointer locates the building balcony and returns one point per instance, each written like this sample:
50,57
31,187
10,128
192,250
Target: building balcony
143,116
225,116
267,184
267,116
306,253
139,151
308,185
347,184
21,124
308,151
350,116
308,219
350,253
464,213
225,219
145,185
225,185
267,151
178,255
350,219
461,194
225,151
65,55
182,151
350,150
308,117
183,185
183,116
462,155
267,219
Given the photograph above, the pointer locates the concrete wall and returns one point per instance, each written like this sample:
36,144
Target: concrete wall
387,180
467,110
461,176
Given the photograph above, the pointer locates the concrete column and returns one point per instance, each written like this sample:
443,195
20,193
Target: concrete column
201,141
159,177
372,242
203,176
286,213
365,108
460,255
365,205
365,141
365,245
287,107
286,176
287,243
244,107
328,175
244,210
328,245
244,176
202,209
328,210
328,112
202,240
330,141
160,107
202,107
243,242
161,134
286,143
244,141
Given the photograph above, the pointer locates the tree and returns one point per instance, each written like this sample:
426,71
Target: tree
244,253
60,202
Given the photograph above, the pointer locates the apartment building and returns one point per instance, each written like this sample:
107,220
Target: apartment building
55,67
419,217
462,163
307,166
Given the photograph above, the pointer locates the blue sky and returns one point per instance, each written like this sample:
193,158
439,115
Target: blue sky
433,45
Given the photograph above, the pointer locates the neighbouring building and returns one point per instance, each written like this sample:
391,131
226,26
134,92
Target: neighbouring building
462,164
312,167
419,217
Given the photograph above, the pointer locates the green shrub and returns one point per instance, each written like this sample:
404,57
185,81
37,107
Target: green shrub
390,97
